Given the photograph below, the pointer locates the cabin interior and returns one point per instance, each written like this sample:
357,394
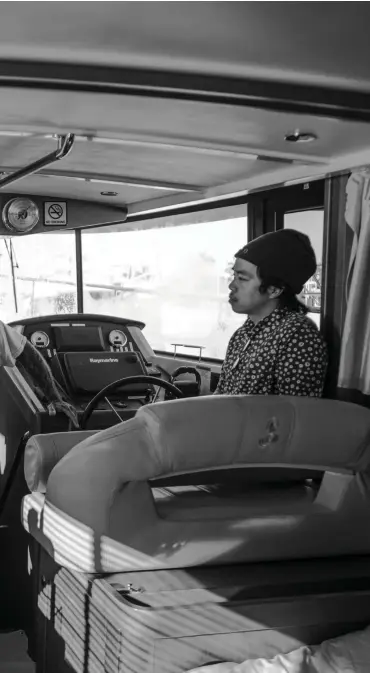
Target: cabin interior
141,145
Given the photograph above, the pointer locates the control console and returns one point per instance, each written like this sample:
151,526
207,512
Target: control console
88,352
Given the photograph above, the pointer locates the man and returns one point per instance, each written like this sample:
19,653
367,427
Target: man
278,350
16,349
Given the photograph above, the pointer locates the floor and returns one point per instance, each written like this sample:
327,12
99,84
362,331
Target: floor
13,653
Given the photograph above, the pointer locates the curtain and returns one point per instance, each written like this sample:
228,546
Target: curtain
354,368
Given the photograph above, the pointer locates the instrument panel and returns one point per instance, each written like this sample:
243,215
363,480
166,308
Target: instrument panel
85,352
52,334
39,339
117,338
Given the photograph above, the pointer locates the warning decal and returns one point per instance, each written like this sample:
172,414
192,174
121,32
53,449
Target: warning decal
55,213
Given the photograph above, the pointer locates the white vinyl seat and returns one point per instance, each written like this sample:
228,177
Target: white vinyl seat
103,511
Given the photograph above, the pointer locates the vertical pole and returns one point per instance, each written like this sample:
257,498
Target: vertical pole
13,276
79,271
33,297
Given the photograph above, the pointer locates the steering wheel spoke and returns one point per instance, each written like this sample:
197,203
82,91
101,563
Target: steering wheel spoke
113,410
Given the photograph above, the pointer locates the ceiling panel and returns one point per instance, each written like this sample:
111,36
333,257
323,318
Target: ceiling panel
301,41
75,189
156,121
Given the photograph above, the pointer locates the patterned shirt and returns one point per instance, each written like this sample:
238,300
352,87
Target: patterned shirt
283,354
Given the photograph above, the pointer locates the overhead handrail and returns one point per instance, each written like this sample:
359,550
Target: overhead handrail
65,144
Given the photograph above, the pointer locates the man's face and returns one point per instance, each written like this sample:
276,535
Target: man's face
245,296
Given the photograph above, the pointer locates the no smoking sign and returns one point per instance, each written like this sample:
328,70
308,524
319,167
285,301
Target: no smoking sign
55,213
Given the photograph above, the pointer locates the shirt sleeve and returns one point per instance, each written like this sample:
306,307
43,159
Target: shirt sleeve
221,382
302,363
11,345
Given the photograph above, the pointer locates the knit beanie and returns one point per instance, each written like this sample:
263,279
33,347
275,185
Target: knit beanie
286,255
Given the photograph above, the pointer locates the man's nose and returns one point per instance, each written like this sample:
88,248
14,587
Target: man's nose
232,284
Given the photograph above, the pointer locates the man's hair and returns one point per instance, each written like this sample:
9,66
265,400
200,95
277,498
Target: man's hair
287,299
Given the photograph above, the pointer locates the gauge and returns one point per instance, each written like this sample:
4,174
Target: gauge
40,339
20,215
117,338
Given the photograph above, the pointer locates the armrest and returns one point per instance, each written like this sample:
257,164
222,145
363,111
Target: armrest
43,452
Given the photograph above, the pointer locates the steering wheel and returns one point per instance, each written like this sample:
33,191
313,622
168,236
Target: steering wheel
187,370
111,387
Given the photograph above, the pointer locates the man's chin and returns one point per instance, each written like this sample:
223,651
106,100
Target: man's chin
237,308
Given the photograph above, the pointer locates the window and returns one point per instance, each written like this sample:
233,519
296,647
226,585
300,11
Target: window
44,279
173,276
311,223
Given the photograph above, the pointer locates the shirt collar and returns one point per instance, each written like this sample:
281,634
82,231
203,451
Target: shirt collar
274,317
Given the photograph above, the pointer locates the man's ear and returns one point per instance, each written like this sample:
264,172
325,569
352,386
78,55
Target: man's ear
275,292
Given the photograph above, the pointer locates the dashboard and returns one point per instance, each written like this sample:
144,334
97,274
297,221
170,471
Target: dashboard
50,333
87,352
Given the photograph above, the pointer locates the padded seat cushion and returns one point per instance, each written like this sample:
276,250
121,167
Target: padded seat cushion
32,515
347,654
222,502
68,542
43,452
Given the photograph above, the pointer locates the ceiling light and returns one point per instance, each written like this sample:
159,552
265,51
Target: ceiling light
16,134
104,181
300,137
109,193
300,181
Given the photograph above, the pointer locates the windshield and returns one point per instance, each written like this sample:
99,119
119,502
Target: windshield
174,278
